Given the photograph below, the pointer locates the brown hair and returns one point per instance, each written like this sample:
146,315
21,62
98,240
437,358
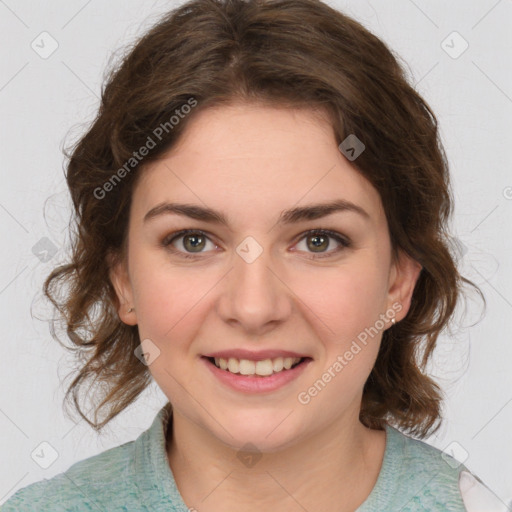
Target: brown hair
287,53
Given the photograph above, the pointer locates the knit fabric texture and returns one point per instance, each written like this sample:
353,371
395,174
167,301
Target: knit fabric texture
136,477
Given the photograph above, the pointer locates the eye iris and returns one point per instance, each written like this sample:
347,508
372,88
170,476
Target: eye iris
196,240
318,241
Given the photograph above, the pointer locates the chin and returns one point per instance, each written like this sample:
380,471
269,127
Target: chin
262,435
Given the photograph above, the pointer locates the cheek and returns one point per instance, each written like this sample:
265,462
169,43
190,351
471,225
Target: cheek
170,312
347,299
349,303
167,297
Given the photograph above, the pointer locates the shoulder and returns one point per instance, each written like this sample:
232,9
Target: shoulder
424,459
424,478
477,496
90,484
132,476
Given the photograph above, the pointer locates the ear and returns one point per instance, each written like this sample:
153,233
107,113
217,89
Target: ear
403,276
120,279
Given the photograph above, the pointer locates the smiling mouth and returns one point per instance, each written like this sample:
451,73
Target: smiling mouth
264,368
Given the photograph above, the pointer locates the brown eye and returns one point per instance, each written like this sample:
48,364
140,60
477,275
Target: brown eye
319,241
192,242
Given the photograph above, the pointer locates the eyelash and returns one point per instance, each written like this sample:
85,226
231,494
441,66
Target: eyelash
345,242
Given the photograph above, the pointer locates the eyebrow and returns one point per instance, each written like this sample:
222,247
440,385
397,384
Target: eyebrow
294,215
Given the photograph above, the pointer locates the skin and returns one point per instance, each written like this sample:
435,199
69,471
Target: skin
251,162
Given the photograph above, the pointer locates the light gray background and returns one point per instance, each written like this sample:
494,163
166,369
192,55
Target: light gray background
44,100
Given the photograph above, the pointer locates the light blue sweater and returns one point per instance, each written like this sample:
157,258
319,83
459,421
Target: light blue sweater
136,477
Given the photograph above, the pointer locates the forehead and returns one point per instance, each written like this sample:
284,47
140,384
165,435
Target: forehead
257,160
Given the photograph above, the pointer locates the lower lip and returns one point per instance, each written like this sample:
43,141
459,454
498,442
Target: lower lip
254,383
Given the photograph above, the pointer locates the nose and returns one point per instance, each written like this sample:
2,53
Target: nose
255,297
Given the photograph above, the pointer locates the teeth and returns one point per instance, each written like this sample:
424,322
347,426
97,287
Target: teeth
278,364
246,367
233,365
262,368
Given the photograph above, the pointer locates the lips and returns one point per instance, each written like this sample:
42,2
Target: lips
247,383
262,368
251,371
254,355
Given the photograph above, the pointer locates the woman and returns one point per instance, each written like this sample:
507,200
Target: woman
261,205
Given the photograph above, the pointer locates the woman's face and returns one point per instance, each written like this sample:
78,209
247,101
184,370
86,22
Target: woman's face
258,281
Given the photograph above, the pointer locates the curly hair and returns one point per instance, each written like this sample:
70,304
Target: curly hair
284,53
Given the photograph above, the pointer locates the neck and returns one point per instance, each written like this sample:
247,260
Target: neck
334,469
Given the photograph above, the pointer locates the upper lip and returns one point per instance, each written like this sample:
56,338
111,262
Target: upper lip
252,355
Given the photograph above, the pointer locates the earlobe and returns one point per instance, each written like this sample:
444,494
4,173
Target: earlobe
119,277
403,278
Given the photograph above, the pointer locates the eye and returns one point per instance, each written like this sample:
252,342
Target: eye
318,241
193,240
